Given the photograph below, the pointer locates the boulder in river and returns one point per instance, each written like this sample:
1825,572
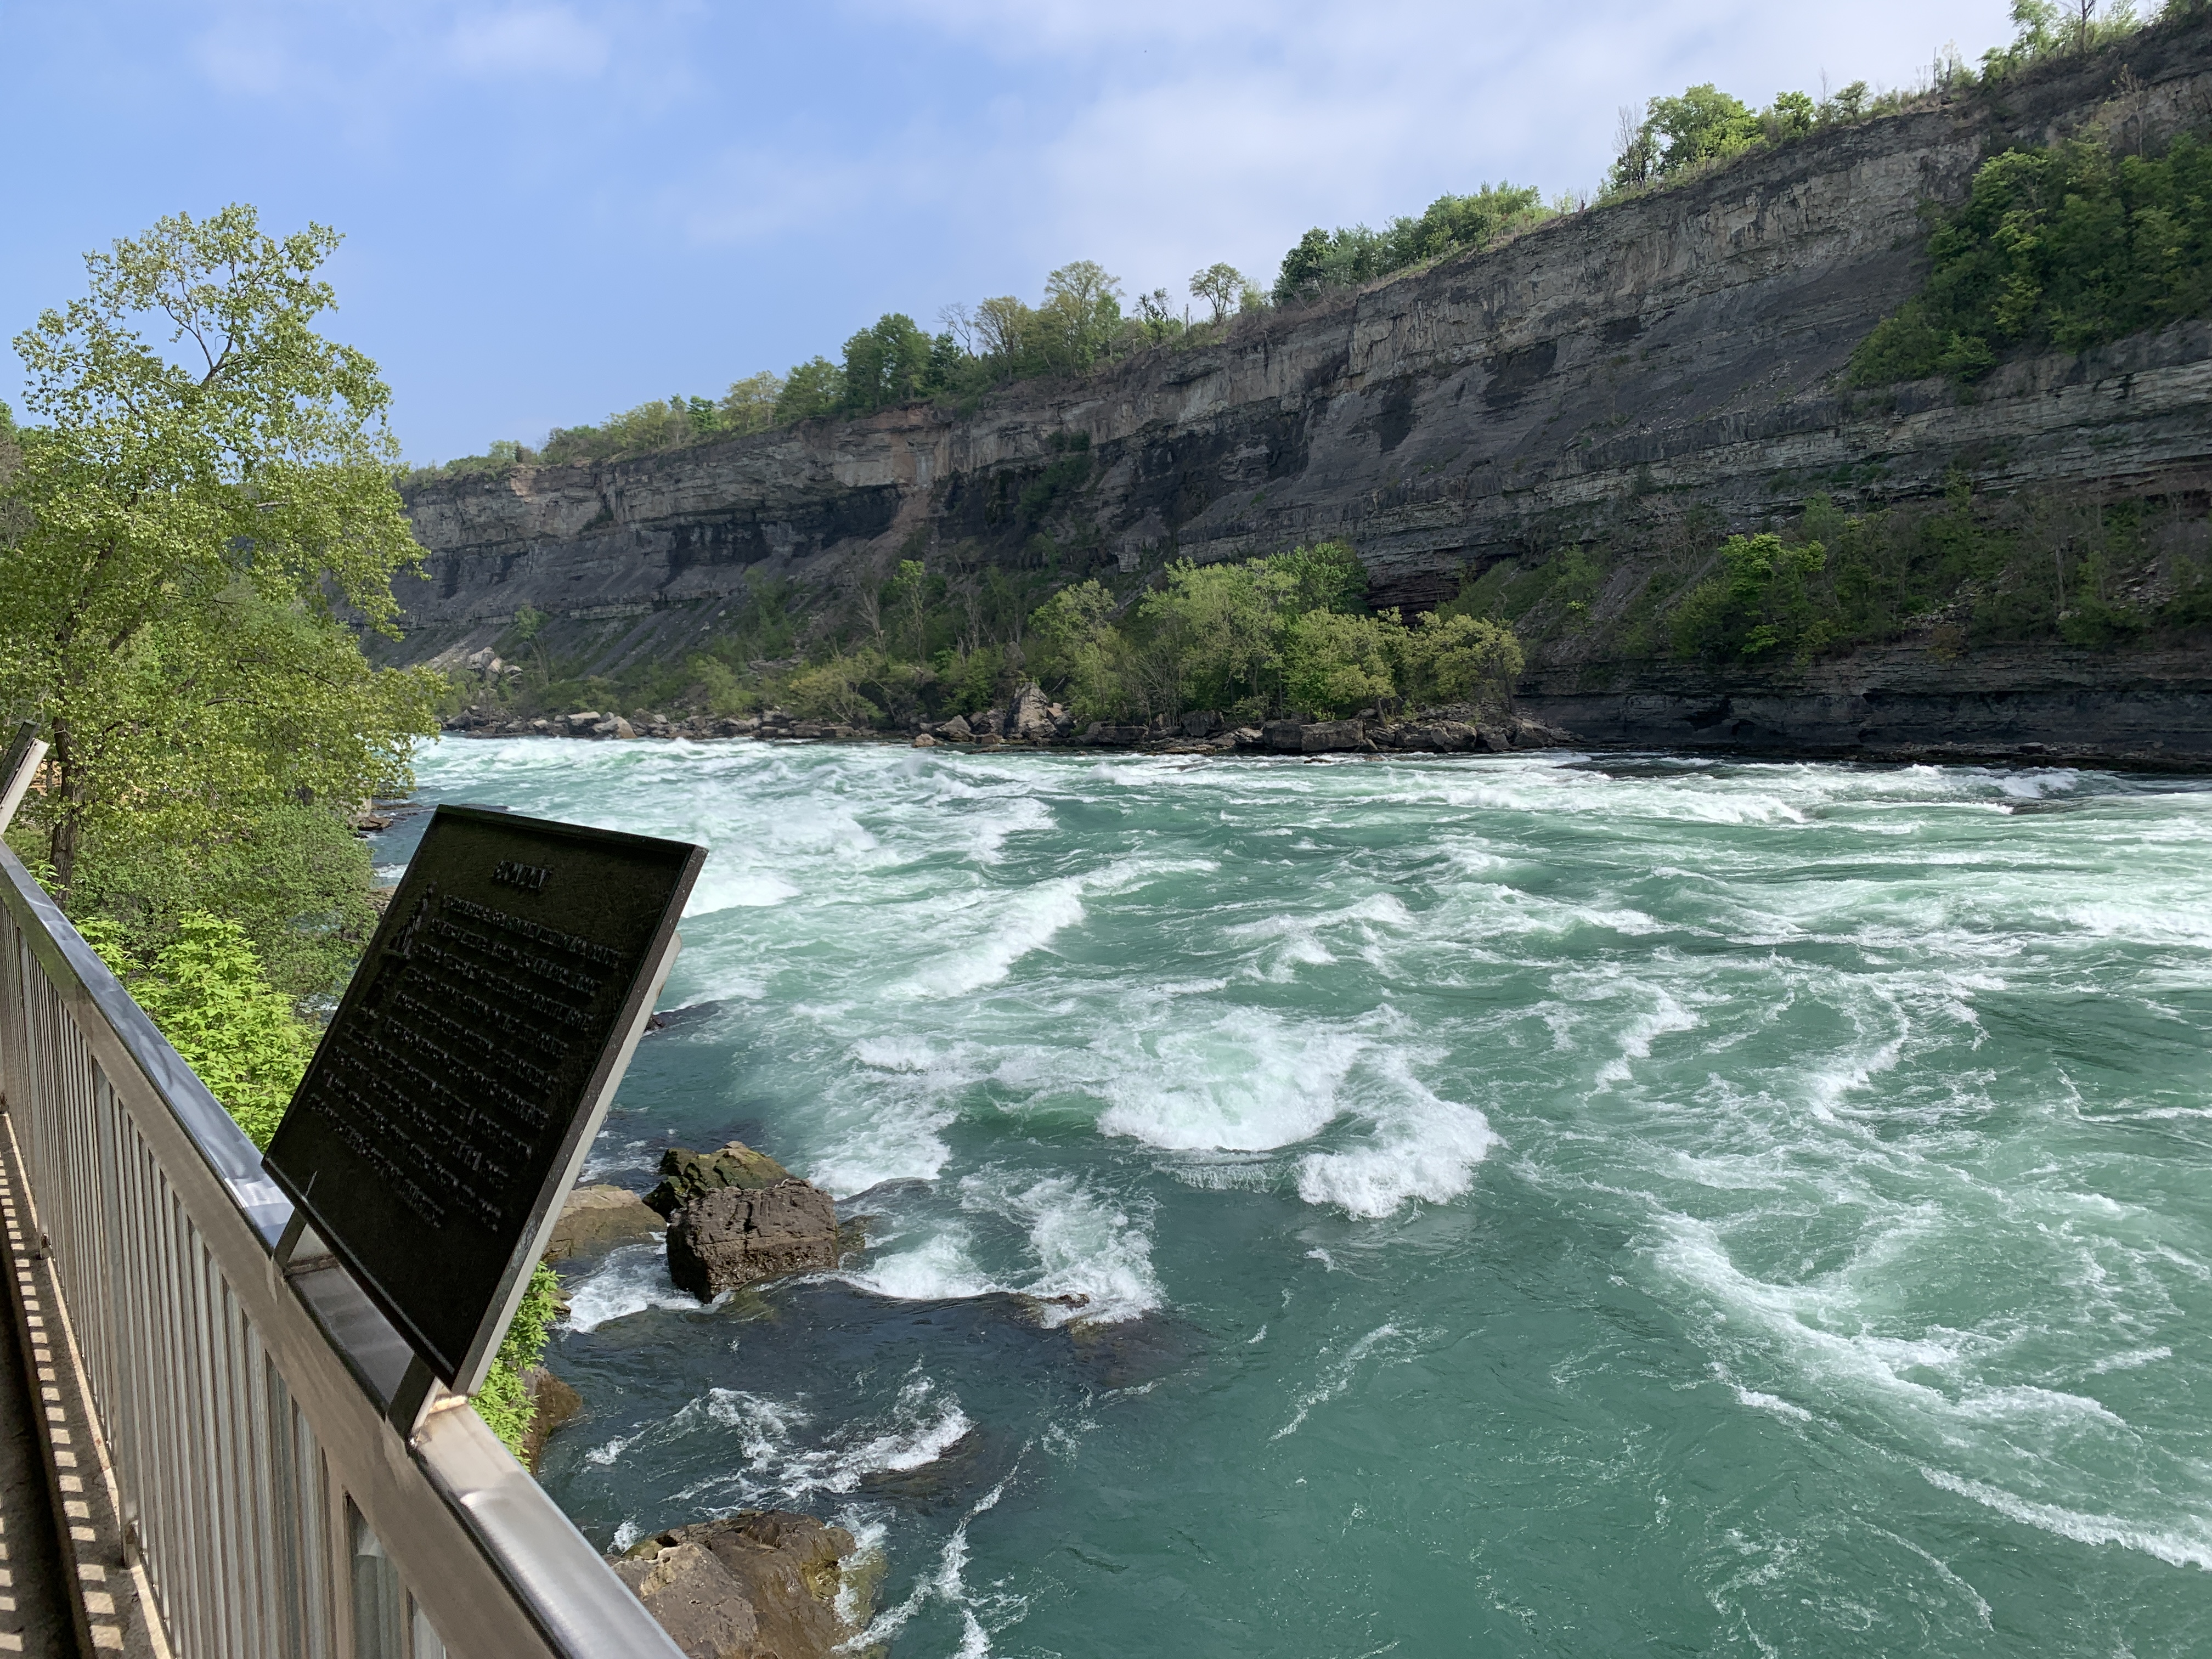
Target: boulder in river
594,1219
734,1237
1029,717
1331,737
758,1584
552,1404
686,1174
1283,735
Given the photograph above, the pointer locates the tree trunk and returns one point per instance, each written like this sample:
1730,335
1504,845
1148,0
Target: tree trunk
68,828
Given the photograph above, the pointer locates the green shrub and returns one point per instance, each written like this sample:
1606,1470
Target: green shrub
1760,603
504,1401
206,993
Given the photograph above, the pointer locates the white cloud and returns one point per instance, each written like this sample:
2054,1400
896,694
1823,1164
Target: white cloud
527,42
1183,133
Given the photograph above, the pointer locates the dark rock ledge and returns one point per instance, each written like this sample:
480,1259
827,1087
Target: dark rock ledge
1029,721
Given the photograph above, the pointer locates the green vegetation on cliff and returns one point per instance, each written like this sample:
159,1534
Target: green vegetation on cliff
1082,321
1968,571
2069,246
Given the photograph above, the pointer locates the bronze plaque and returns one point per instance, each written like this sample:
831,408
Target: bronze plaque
471,1060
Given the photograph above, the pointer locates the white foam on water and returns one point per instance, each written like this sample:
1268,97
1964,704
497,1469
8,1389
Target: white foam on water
888,1122
869,1535
767,1450
2134,1359
1247,1080
632,1279
1422,1146
1012,924
1087,1247
2189,1546
939,1269
1636,1038
947,1583
1772,1402
1024,815
1395,1347
720,889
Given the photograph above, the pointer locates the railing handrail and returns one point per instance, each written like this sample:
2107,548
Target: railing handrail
497,1566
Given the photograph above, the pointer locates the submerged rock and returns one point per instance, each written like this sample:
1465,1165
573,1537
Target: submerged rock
686,1174
552,1404
758,1584
735,1236
594,1219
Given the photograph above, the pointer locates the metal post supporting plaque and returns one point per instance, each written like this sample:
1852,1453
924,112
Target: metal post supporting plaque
25,754
451,1101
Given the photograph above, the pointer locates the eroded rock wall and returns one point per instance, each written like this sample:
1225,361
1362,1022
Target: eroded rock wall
1599,378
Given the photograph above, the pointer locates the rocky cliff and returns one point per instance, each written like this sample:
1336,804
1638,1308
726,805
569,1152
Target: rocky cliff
1609,378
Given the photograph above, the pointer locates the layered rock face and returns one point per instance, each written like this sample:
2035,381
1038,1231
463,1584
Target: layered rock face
1600,377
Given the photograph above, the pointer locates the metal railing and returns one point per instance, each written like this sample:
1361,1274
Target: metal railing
274,1511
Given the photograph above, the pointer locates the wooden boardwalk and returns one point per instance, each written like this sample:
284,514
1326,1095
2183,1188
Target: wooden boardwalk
35,1615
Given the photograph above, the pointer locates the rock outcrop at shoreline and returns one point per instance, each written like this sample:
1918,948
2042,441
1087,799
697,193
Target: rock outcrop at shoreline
1029,721
758,1584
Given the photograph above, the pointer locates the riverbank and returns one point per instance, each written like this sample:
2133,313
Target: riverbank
1025,724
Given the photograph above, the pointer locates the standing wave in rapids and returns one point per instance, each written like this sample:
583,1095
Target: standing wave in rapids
1524,1204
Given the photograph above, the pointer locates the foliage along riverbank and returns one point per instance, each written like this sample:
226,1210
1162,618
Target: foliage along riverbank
190,543
1241,643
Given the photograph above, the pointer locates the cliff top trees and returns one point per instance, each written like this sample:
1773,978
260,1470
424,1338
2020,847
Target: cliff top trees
1348,256
208,486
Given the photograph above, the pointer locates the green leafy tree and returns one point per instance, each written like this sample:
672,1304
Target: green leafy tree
1349,256
1081,317
885,364
1214,635
1076,643
1334,663
1457,658
1220,286
1760,602
201,518
1703,125
206,993
749,404
814,389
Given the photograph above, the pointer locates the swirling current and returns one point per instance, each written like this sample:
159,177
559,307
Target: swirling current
1536,1204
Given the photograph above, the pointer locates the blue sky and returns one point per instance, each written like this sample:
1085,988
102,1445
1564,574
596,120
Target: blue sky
557,210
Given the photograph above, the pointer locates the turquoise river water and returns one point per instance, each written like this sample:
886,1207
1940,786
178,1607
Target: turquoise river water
1514,1205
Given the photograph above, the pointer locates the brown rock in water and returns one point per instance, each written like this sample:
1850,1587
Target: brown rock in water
595,1220
760,1585
734,1235
552,1403
686,1174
